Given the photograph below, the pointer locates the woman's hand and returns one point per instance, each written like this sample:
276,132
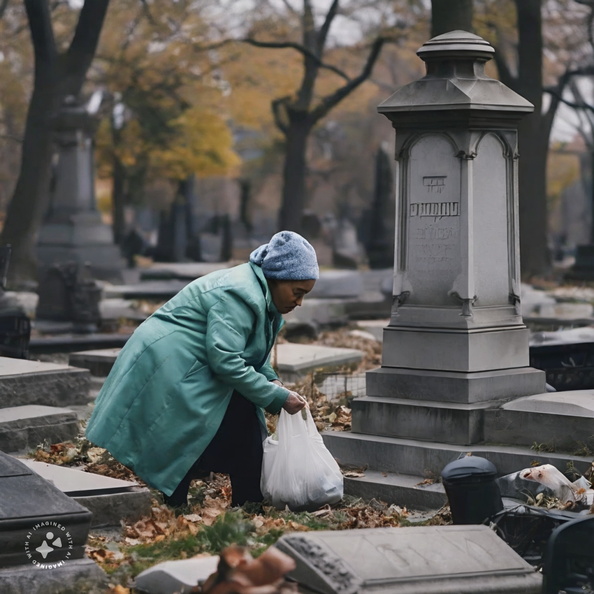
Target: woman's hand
294,403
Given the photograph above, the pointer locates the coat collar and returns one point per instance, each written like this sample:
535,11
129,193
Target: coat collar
265,289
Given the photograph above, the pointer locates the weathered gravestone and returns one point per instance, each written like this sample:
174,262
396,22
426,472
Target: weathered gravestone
73,229
42,536
67,293
412,560
456,344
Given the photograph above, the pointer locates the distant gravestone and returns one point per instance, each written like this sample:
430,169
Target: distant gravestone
73,229
67,293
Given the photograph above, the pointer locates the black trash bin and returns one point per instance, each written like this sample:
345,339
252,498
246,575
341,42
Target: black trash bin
472,490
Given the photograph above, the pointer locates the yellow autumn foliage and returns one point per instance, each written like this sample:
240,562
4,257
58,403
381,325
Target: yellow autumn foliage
203,144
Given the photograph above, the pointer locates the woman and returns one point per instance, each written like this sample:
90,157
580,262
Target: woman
187,392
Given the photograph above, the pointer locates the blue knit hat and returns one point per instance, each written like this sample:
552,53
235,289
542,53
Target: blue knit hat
287,256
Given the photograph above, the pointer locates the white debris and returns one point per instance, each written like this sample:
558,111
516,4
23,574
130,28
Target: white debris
567,491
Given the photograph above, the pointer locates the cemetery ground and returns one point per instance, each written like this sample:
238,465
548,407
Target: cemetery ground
208,524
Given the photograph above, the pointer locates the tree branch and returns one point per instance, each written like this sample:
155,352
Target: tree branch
278,114
301,49
42,37
332,100
82,49
323,33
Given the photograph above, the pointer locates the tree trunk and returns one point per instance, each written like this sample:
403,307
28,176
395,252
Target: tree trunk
56,76
294,173
450,15
30,199
118,201
533,141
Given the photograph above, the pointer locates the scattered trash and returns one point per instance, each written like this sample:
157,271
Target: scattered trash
569,493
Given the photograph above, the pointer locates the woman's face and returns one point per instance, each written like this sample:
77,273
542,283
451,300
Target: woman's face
287,295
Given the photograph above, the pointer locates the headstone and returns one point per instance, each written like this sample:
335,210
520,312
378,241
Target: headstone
411,560
73,229
456,344
48,384
42,530
346,251
176,228
67,293
379,243
109,499
456,333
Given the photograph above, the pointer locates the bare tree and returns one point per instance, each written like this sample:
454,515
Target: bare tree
296,115
57,75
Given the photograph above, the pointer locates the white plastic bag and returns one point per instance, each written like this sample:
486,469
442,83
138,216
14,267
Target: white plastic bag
298,471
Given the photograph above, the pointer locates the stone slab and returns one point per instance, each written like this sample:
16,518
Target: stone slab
25,427
98,361
338,283
451,386
109,499
411,560
563,336
32,382
375,327
292,360
426,459
435,421
160,290
466,352
402,489
572,403
180,270
73,481
66,343
180,576
319,312
74,577
561,421
30,509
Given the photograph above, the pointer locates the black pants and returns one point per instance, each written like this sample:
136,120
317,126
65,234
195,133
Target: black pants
236,450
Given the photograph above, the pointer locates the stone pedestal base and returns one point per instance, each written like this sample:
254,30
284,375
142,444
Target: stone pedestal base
442,406
452,386
463,350
83,238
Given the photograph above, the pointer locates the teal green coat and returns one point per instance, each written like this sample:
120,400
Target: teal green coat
169,388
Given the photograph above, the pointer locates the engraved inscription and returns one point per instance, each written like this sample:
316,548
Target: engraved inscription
435,209
434,183
333,568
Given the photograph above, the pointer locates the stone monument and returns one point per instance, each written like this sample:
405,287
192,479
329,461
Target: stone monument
456,344
456,333
73,230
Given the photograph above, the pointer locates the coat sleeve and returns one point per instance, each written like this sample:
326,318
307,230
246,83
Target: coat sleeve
229,324
268,371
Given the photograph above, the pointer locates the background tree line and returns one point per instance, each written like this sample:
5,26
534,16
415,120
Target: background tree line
284,88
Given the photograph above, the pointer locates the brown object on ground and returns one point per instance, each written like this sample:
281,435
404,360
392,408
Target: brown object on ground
239,573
